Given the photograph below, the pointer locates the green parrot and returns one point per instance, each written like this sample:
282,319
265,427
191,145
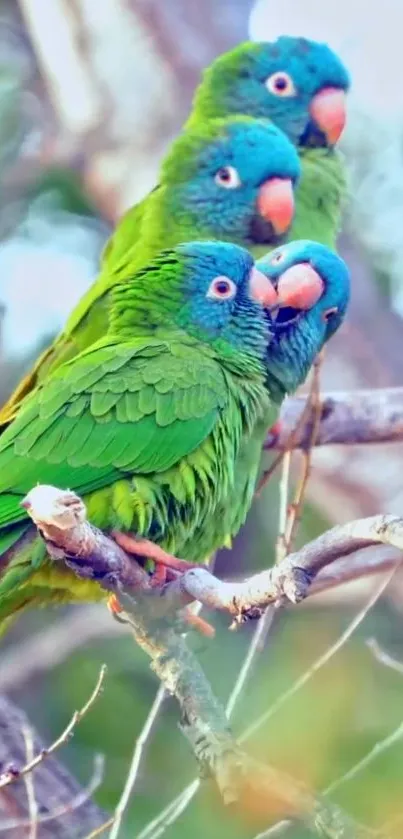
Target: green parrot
313,290
300,85
147,423
160,424
229,179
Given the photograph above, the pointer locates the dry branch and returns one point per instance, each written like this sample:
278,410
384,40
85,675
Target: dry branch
292,579
61,517
11,775
258,793
173,810
57,794
359,416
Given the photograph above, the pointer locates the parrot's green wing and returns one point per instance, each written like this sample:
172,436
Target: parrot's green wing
115,411
320,197
120,246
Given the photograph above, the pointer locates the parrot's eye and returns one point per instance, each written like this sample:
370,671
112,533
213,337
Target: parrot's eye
281,84
221,288
227,177
329,312
277,257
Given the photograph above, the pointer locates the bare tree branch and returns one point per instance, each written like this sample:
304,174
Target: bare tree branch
135,763
358,416
61,517
65,808
383,657
60,812
240,779
172,811
11,775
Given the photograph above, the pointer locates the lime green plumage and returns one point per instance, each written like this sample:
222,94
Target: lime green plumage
178,210
147,429
320,197
143,230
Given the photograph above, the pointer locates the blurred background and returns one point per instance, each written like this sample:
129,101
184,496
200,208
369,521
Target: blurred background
91,95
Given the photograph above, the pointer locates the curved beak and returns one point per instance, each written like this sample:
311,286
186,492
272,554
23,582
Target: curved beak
328,110
275,203
262,290
300,287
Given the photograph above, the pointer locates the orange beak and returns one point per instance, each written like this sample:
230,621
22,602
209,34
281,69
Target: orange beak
300,287
328,110
275,203
261,289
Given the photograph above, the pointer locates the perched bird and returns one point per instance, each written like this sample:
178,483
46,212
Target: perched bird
229,179
301,86
162,433
147,423
313,291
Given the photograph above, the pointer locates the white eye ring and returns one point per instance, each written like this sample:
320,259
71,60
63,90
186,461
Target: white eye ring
281,84
221,288
227,177
277,257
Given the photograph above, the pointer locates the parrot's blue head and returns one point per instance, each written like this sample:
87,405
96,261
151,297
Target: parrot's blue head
223,298
231,179
297,83
208,290
313,291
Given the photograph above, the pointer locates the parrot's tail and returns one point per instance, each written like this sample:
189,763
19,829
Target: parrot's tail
29,578
21,549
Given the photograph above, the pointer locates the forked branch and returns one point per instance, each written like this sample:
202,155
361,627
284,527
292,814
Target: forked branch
258,793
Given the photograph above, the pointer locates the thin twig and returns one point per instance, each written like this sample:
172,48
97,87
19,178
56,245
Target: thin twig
281,542
383,657
288,519
11,776
294,511
265,622
140,744
274,831
257,643
29,783
291,435
377,750
170,813
101,829
323,659
265,477
352,417
77,801
135,762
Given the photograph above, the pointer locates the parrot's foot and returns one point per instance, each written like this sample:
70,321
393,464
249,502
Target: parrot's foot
274,432
165,563
199,624
193,621
113,604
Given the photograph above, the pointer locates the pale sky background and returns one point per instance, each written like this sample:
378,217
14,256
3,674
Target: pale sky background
368,37
365,33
